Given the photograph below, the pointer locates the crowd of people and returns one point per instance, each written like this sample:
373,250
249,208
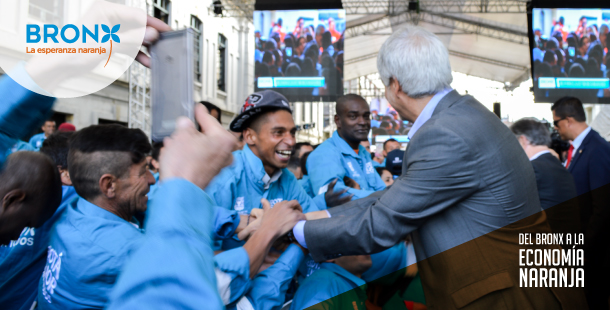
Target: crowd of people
101,218
305,51
582,53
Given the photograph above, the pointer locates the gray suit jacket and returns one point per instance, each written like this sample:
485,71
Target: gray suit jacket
464,175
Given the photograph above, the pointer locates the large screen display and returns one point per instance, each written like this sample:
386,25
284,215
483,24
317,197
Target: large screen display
570,54
299,53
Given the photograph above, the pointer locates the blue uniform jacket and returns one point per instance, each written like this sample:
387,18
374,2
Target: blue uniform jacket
268,288
334,158
36,140
327,282
87,249
240,186
174,266
306,185
73,276
19,146
21,111
22,262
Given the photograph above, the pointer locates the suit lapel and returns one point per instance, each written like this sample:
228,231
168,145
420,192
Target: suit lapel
579,151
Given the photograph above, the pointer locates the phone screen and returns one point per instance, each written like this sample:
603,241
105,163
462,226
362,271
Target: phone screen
571,51
289,51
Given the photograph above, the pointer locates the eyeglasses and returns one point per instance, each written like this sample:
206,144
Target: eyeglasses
556,123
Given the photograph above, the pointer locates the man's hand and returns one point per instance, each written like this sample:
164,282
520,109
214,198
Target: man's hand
196,156
256,217
282,217
334,198
153,28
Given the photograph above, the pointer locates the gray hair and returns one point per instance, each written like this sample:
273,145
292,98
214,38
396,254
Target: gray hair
417,59
535,131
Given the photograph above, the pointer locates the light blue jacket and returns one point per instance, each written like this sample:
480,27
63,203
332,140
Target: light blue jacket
306,185
36,140
334,158
23,260
327,282
90,245
174,266
87,249
21,111
268,288
19,146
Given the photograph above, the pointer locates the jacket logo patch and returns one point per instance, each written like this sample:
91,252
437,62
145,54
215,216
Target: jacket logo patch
239,204
369,168
272,202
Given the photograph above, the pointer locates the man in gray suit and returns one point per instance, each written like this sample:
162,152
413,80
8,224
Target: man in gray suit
466,192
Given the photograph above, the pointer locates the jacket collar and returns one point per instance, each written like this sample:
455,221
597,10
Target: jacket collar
257,170
451,98
343,147
87,208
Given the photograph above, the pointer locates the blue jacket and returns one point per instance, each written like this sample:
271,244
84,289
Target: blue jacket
73,276
268,288
88,247
36,140
174,266
19,146
386,262
306,185
334,158
327,282
22,262
21,112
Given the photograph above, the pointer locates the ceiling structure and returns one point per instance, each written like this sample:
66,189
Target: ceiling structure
485,38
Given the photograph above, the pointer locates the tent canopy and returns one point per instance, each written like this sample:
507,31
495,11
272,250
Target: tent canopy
485,38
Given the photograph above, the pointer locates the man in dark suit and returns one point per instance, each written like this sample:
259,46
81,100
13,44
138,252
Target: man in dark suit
589,163
466,192
555,184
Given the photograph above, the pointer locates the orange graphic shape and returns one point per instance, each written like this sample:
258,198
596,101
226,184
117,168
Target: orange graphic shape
110,54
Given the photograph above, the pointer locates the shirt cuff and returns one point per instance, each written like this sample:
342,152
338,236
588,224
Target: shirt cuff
299,234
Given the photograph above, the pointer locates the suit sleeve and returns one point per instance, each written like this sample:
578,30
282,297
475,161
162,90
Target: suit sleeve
21,111
174,266
441,172
599,180
323,167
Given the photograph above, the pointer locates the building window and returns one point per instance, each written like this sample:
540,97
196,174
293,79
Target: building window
48,11
161,10
198,28
222,53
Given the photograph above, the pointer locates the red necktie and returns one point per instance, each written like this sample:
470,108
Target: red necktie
570,150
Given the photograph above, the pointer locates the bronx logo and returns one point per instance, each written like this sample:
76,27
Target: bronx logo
70,34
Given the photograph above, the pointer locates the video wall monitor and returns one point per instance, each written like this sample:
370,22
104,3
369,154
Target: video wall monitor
299,53
569,53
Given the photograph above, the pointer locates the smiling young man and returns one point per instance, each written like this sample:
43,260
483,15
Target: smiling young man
259,170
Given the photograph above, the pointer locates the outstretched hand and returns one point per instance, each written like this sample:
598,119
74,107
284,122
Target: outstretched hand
196,156
335,198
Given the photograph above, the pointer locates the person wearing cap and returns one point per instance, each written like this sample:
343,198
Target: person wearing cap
259,170
393,162
343,155
66,127
47,129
